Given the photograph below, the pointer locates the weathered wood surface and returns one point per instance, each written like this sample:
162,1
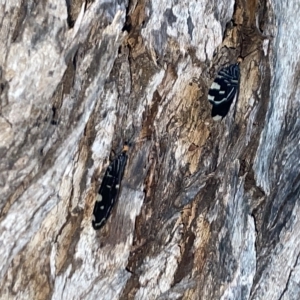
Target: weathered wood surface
206,210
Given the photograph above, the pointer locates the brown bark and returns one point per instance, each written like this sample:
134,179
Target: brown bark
206,210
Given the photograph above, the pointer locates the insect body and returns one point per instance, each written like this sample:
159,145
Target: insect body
223,90
109,189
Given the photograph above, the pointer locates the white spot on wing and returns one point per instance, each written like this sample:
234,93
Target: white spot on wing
99,198
215,86
217,118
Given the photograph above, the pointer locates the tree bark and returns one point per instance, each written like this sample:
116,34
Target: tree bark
206,210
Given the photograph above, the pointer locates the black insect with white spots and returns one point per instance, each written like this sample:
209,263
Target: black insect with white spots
109,189
223,90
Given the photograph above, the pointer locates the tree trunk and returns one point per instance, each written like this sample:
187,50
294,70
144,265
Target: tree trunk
206,210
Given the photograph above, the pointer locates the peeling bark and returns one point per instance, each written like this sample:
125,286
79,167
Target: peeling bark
206,210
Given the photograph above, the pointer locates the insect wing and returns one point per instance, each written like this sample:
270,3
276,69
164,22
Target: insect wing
109,190
223,90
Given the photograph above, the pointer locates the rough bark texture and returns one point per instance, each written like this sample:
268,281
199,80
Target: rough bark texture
206,210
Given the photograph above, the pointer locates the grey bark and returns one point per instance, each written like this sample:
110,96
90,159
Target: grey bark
206,210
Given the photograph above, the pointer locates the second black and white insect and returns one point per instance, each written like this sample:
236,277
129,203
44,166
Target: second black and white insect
223,90
109,189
